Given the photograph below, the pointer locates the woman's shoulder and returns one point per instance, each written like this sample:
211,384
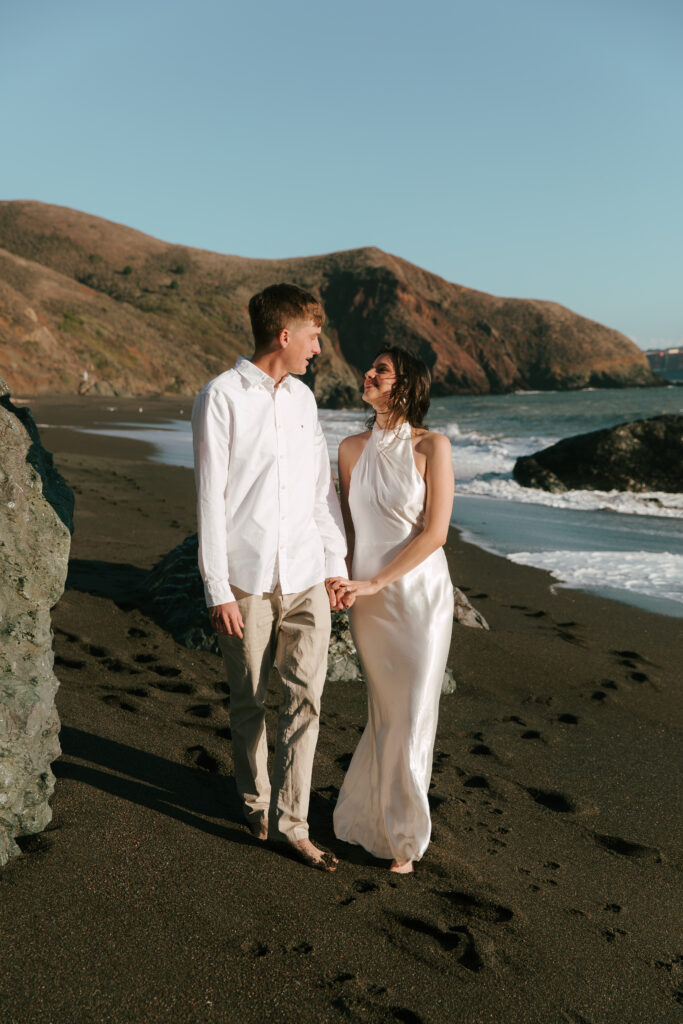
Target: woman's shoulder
354,441
428,442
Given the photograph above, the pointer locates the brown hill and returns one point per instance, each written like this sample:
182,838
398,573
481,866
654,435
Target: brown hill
80,296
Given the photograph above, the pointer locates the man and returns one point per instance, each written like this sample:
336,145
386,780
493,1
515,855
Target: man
270,534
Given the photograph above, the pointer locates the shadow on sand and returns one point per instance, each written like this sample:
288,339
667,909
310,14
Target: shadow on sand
182,793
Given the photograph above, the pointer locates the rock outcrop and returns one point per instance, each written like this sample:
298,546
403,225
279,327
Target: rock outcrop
644,455
175,597
36,517
91,305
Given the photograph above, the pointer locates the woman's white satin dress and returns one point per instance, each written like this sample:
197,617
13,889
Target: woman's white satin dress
403,637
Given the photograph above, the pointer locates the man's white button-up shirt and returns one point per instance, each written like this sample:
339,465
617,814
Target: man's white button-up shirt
267,510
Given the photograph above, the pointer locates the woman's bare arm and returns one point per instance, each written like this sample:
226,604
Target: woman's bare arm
437,516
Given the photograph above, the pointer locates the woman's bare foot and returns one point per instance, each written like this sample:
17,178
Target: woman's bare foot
402,867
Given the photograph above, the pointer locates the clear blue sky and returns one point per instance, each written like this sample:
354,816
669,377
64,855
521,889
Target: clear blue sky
530,148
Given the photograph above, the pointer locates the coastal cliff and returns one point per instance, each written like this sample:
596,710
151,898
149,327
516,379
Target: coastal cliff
89,305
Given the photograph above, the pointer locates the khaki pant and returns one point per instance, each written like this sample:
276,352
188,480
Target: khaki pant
291,631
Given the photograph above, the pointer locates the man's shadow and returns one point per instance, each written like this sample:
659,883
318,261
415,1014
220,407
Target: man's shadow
186,794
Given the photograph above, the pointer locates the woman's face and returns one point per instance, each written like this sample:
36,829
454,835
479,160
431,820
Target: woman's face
379,380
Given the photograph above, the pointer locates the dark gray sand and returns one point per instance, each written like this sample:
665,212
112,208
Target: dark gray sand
550,892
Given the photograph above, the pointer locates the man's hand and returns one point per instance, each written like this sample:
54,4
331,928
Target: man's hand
344,592
226,619
332,594
339,600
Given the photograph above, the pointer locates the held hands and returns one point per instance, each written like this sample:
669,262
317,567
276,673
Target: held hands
226,619
343,593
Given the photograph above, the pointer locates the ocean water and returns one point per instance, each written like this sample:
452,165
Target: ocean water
624,545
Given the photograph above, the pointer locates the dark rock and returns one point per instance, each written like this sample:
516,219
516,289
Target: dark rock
175,596
644,455
466,614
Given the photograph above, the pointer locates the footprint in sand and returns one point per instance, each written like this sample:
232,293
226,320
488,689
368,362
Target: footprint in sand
551,799
62,662
69,637
185,688
435,801
631,655
625,848
96,651
569,638
515,719
199,710
360,1000
116,665
201,758
167,671
255,948
360,887
458,940
440,759
476,782
611,934
476,907
114,701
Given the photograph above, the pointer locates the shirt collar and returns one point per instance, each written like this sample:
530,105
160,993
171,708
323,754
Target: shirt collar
254,376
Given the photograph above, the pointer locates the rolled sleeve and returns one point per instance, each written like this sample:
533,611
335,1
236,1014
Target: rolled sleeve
211,439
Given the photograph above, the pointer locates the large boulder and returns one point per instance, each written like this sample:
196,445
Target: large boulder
36,519
644,455
175,597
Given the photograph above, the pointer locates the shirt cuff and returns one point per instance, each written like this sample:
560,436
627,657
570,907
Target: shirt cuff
335,566
218,593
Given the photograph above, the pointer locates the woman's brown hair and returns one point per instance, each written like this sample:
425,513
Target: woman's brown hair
409,398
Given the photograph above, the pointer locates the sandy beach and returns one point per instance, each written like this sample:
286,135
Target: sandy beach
550,891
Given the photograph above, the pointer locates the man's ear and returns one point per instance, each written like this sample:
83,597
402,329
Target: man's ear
283,338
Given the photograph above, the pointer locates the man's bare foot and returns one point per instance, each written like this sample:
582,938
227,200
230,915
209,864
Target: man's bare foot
309,854
259,829
402,867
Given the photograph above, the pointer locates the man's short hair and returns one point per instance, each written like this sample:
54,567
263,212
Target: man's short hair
276,306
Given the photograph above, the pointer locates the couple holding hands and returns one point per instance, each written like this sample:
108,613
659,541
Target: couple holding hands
273,556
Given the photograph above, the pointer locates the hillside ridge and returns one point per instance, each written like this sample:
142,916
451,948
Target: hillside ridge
88,304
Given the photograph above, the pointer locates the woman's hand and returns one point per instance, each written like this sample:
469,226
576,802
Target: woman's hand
346,591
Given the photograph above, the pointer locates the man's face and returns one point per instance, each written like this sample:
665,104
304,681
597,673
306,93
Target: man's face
302,344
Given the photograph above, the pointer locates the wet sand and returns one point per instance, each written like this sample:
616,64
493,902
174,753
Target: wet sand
548,893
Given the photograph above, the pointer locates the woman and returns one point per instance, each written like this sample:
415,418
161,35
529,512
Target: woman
397,497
